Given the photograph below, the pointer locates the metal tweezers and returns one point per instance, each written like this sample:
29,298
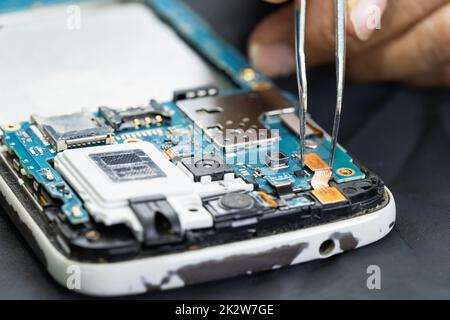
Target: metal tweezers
340,31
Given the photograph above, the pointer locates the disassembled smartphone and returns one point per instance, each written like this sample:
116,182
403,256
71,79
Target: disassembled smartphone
171,193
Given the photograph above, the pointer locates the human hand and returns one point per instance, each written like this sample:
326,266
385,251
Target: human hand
389,40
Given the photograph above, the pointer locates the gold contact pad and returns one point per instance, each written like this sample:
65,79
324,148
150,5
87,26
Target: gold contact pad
315,163
328,195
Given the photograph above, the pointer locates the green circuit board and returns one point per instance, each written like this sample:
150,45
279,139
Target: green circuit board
180,138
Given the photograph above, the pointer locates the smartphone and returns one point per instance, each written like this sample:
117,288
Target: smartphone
145,153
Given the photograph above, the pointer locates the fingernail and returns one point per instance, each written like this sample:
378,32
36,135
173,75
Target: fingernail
273,59
365,16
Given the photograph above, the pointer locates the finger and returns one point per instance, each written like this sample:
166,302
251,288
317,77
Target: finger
434,78
385,19
363,14
365,17
423,48
271,44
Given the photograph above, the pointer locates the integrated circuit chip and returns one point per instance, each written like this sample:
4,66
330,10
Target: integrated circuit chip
127,165
282,182
280,179
277,160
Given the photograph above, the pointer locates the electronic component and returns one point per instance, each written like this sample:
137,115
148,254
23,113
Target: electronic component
277,160
236,201
280,179
235,206
159,220
233,121
299,173
38,133
48,175
267,199
322,172
117,182
127,165
181,132
180,151
200,92
282,182
320,180
207,168
73,131
136,117
328,195
300,201
292,121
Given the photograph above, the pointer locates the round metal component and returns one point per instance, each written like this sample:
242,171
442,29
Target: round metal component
236,201
207,164
248,74
92,235
11,127
346,172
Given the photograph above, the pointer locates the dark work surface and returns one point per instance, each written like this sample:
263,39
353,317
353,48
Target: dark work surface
401,134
